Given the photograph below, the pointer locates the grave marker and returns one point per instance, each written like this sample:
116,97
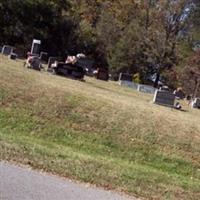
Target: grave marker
146,89
35,49
51,60
44,56
13,56
129,84
7,50
164,98
196,103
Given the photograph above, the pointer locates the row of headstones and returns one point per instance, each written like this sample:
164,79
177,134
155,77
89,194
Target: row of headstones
127,81
35,51
8,50
166,98
161,97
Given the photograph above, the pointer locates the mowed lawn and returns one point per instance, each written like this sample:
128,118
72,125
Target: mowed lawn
98,132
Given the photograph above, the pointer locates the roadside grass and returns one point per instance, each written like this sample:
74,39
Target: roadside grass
99,133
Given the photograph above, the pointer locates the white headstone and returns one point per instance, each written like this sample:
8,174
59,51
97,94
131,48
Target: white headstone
196,103
146,89
129,84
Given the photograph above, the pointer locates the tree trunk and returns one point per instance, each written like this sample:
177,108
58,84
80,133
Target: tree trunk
197,85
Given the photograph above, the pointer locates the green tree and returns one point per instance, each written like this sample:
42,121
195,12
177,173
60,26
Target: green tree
23,20
190,76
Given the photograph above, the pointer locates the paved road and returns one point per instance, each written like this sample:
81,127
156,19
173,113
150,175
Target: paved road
18,183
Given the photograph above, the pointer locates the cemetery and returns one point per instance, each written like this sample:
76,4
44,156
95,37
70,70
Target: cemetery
105,94
163,96
73,106
78,66
96,120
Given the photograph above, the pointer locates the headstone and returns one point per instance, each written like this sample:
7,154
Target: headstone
13,56
125,77
196,103
146,89
7,50
44,56
35,49
102,74
164,98
51,60
34,62
129,84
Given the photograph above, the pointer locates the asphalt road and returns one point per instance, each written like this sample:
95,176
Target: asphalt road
17,183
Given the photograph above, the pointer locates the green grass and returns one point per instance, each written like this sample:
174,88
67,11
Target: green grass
99,133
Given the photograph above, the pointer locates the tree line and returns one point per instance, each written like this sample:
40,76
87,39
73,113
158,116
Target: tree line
152,39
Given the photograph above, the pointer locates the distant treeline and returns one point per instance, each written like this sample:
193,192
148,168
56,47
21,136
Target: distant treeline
148,38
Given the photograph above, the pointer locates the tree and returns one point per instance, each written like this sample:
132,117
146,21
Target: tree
148,42
21,21
190,76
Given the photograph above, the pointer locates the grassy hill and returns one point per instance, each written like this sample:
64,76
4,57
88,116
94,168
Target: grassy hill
98,132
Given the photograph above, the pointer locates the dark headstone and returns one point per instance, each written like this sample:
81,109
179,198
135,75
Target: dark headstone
13,56
164,98
68,70
44,56
34,63
125,77
35,49
7,50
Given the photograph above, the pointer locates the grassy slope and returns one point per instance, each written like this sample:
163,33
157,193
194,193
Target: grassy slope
98,132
